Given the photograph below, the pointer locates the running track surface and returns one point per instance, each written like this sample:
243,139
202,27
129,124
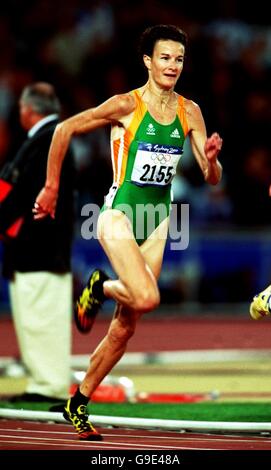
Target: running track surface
166,334
23,435
152,335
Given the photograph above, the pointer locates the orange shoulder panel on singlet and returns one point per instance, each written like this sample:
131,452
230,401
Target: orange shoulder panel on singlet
120,147
181,112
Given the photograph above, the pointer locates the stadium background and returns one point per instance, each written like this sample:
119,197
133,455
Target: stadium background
201,340
87,49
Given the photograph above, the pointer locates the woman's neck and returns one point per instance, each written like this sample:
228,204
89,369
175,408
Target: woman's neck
158,96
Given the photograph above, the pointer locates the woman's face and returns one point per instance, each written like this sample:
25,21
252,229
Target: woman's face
166,64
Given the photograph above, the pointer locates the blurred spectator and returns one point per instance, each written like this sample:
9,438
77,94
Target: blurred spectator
37,261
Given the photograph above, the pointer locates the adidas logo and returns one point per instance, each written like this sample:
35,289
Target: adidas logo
175,134
150,129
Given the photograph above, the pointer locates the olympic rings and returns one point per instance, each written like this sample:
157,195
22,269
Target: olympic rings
160,157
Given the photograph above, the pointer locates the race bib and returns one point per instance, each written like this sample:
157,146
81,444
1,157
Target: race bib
155,164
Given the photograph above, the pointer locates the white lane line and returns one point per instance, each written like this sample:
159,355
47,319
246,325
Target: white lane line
68,440
95,444
101,445
53,445
144,436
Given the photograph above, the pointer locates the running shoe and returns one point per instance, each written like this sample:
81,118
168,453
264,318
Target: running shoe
90,301
81,423
260,306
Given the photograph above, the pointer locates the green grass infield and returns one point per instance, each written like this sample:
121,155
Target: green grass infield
232,412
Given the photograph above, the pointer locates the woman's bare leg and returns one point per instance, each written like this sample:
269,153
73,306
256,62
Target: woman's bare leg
112,347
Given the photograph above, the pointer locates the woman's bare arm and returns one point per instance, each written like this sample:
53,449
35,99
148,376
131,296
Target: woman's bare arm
108,112
205,149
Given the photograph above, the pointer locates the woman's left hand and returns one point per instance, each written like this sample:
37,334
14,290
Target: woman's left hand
213,146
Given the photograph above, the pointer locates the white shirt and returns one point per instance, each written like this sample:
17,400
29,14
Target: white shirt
41,123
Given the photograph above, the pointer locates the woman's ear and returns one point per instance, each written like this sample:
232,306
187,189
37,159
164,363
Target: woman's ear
147,61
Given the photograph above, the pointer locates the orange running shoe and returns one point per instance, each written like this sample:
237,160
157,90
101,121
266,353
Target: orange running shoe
90,301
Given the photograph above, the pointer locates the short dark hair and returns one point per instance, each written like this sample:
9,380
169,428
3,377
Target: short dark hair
155,33
41,96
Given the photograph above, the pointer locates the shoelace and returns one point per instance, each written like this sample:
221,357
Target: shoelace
80,420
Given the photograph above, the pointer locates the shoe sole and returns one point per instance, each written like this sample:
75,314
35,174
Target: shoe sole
88,436
79,326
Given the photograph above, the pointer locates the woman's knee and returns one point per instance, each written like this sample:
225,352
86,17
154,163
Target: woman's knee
148,300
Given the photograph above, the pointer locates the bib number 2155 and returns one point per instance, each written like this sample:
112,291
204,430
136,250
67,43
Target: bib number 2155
157,174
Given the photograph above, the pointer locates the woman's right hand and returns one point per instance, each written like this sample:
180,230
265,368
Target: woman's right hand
45,203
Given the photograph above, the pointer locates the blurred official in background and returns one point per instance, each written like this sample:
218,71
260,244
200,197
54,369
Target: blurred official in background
37,258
